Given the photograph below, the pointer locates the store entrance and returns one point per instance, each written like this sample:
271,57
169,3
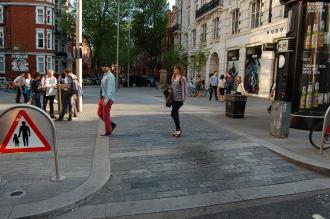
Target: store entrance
252,69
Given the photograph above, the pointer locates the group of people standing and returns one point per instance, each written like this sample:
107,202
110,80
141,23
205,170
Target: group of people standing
45,86
225,85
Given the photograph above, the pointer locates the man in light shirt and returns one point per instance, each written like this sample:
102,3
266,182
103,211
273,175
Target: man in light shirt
214,80
19,83
107,97
48,84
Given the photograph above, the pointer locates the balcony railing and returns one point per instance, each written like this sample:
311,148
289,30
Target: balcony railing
176,27
208,7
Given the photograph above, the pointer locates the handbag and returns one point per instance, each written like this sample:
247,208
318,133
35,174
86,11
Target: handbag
169,99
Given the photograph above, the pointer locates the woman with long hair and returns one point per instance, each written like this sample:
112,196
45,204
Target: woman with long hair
179,86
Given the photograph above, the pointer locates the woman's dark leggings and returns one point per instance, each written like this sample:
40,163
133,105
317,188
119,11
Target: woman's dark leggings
175,114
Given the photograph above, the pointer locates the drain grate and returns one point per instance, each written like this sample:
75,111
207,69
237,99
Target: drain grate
17,194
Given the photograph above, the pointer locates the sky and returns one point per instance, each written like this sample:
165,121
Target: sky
172,2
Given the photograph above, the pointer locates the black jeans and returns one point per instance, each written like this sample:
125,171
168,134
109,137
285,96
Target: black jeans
175,114
65,96
51,104
215,90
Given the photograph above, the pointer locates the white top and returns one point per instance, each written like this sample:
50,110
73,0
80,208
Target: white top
27,83
221,83
240,89
50,84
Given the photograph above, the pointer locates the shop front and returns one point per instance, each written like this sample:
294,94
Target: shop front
311,84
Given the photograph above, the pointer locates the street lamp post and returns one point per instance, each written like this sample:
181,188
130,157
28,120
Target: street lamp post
129,52
78,49
117,72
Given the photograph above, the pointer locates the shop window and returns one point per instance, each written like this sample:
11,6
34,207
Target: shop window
235,21
256,14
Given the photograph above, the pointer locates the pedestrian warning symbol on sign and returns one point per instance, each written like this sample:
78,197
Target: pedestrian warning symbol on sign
24,136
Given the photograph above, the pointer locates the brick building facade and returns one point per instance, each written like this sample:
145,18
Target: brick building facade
27,36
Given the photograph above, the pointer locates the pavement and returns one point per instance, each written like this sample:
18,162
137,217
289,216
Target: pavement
218,160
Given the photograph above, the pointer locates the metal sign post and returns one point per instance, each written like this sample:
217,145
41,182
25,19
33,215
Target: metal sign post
326,123
34,121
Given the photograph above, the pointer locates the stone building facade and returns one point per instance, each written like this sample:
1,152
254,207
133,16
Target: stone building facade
237,35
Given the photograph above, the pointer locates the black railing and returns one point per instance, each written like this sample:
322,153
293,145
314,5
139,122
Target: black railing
176,27
208,7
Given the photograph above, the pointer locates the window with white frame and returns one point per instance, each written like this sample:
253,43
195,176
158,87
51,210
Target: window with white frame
1,14
2,40
41,64
40,15
194,38
216,28
49,16
40,37
256,13
235,21
49,40
2,63
50,62
203,33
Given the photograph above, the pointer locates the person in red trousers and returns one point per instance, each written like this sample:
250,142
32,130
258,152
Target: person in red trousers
107,97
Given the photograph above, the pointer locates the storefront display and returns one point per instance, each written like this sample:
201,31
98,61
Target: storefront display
314,86
252,69
233,62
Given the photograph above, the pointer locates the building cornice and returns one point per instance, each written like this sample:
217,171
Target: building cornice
10,52
51,5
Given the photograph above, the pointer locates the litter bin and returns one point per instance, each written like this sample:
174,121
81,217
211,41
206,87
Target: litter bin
235,105
280,119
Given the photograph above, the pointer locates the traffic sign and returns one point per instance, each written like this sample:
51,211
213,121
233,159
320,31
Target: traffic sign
24,136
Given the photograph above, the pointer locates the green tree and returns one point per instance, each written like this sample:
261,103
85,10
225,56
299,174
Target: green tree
149,25
198,59
173,56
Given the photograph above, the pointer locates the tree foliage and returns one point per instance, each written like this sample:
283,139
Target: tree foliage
173,56
198,58
149,25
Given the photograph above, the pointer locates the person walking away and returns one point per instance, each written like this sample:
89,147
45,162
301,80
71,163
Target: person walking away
240,87
198,85
108,91
179,86
19,83
27,87
64,85
221,86
36,90
49,83
74,94
214,80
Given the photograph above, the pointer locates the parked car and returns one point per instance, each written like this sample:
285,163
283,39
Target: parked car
148,81
139,81
134,80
